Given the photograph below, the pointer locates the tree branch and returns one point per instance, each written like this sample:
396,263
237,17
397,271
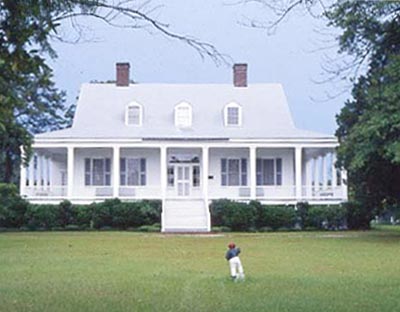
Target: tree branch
141,18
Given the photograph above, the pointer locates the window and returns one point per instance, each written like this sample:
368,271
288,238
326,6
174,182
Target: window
133,171
233,172
269,171
183,115
233,115
133,115
97,171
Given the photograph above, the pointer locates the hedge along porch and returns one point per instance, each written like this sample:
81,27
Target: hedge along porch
185,145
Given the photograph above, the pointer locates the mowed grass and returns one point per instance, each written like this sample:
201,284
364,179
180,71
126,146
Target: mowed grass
123,271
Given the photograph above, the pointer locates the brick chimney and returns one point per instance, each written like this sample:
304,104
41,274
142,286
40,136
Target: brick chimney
240,75
123,74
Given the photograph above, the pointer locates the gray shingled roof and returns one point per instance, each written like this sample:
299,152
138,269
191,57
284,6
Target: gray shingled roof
101,112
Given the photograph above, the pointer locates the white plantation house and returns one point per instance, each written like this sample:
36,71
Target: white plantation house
184,144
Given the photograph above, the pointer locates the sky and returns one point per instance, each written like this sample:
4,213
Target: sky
293,55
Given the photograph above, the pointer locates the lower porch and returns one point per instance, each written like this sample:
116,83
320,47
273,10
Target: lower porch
184,178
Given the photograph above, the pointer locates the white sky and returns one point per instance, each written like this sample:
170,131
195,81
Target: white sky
288,57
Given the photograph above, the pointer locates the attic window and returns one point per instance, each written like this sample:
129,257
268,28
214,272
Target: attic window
133,114
183,115
233,115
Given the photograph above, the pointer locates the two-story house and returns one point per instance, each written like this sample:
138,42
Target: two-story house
185,144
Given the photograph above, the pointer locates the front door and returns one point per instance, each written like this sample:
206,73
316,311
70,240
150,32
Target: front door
183,180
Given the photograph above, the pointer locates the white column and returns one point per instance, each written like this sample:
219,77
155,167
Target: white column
70,171
253,176
163,171
45,170
163,183
309,177
298,151
334,174
32,171
205,171
39,171
116,153
324,171
317,173
50,171
22,181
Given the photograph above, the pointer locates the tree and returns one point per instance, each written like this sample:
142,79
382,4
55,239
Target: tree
29,100
369,123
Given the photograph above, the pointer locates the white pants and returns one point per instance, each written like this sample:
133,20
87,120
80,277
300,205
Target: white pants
236,267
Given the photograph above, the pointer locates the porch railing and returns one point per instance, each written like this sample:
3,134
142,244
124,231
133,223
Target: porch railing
45,191
262,193
140,192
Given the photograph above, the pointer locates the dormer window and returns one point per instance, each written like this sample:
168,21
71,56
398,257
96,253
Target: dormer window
233,115
133,114
183,115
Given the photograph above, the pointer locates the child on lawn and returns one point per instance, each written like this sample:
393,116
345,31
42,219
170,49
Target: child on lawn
232,255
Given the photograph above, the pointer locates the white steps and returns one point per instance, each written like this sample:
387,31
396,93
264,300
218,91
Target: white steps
185,215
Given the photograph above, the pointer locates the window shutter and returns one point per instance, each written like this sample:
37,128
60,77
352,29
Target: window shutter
244,171
223,172
87,172
259,171
107,171
122,170
279,171
142,171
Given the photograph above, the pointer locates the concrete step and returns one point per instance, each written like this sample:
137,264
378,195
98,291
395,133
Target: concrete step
185,216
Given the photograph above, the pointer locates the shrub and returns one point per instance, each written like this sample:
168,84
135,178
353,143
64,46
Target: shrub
358,215
239,216
103,212
217,208
65,213
12,207
234,215
302,213
150,211
43,217
316,217
336,217
277,217
82,215
258,208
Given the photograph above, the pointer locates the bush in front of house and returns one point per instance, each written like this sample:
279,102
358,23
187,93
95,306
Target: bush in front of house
217,210
321,217
240,216
65,213
358,215
256,216
277,216
336,217
17,213
12,207
82,216
42,217
235,215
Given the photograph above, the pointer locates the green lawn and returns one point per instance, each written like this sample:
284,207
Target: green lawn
124,271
